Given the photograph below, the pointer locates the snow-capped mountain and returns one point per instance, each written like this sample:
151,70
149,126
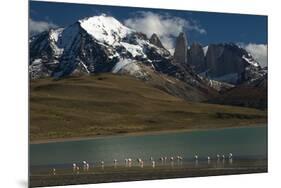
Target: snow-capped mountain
94,44
103,44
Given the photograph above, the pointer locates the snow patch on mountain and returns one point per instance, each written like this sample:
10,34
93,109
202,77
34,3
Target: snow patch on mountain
134,50
205,49
220,85
250,60
37,62
55,34
121,64
36,69
105,29
130,67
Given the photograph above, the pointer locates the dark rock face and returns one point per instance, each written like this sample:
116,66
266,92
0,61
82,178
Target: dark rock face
84,56
41,48
230,63
156,41
196,58
223,59
180,54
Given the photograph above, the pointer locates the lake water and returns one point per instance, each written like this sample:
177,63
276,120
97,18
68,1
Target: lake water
244,143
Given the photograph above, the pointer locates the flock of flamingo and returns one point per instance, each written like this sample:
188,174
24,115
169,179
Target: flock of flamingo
128,162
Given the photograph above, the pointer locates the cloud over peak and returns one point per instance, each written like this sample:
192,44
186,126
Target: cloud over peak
258,51
40,26
165,26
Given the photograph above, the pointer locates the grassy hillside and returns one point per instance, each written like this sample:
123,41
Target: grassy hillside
109,104
248,95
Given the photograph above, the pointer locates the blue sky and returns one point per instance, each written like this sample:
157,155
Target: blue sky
202,27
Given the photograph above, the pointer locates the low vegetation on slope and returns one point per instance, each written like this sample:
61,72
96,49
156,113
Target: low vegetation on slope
252,95
108,104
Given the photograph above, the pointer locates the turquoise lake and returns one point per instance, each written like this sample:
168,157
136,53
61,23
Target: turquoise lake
242,142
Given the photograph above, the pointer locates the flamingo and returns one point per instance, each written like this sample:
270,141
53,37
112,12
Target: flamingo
74,166
84,164
77,169
209,159
54,171
102,164
115,163
218,156
141,164
86,167
129,160
153,164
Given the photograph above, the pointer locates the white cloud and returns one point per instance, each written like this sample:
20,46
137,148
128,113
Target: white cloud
40,26
259,52
165,26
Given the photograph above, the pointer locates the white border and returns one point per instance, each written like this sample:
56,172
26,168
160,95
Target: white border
14,111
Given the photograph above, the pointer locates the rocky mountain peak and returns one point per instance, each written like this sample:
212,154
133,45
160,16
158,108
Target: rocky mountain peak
105,28
196,58
230,63
154,39
181,47
91,45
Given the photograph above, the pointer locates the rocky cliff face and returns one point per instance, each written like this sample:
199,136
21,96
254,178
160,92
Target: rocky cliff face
224,59
229,63
154,39
181,47
196,58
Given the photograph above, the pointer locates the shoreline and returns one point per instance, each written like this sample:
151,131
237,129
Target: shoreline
140,175
58,140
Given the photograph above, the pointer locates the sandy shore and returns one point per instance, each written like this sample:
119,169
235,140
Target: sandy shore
45,141
147,174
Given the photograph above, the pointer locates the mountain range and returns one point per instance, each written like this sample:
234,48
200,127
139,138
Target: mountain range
102,44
